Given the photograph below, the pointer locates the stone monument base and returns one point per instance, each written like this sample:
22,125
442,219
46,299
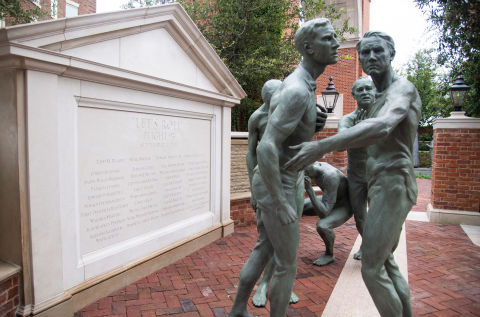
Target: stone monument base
454,217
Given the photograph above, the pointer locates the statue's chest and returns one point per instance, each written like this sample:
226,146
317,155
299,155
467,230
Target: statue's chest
309,118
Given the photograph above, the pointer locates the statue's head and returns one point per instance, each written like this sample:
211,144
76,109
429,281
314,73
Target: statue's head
310,169
363,91
269,88
316,39
376,51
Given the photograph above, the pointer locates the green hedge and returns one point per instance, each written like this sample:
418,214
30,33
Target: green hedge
425,159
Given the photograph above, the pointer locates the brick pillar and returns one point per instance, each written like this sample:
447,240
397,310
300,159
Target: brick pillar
9,289
456,170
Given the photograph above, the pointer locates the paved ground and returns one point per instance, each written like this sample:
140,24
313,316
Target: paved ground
443,264
424,194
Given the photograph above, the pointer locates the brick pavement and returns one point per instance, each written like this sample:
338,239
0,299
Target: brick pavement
444,275
424,194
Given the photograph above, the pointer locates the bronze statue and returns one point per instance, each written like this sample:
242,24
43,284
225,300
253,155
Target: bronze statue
333,207
363,91
388,132
256,127
292,120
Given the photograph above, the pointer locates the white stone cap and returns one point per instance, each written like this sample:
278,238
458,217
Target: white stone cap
8,270
332,121
239,135
457,120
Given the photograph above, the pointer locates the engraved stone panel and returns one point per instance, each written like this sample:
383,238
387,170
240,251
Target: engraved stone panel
139,172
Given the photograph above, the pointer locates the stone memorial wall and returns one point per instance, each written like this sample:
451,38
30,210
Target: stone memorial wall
115,146
139,172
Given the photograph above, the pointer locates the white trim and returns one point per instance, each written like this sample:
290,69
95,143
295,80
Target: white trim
349,43
453,216
81,28
239,135
457,120
70,2
332,122
8,270
25,57
54,9
36,2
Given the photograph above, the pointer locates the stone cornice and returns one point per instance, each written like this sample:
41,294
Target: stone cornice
82,30
19,56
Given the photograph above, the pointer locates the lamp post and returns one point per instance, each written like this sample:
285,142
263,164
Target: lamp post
458,92
330,96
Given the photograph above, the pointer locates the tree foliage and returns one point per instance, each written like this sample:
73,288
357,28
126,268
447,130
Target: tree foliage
19,11
254,38
432,85
458,22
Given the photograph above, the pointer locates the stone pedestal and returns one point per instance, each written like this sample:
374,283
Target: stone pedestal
456,170
114,151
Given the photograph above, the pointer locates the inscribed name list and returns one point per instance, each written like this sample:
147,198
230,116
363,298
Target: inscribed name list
139,173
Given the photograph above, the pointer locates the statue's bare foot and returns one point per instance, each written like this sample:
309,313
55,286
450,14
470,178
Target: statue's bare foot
324,260
358,255
240,314
293,298
260,297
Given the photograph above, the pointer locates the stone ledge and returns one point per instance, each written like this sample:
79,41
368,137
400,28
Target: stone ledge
240,196
454,217
457,120
239,135
239,141
8,270
246,195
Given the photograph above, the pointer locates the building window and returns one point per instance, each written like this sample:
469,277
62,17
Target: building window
54,8
71,9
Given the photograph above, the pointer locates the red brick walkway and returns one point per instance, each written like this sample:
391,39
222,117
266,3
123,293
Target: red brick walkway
443,270
444,275
424,194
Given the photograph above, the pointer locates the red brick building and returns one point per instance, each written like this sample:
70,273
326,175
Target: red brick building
344,73
61,8
348,68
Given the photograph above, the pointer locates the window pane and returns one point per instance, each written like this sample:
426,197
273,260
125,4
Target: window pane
71,11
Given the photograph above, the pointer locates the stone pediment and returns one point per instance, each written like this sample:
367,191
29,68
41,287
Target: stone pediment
159,42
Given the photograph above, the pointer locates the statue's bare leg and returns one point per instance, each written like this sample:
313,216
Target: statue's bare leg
357,191
284,239
251,271
400,284
260,297
389,206
338,216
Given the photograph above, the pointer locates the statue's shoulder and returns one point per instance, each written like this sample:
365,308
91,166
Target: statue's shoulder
257,115
349,116
294,88
295,84
347,120
403,85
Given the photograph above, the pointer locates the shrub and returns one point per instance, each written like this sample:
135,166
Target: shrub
425,159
